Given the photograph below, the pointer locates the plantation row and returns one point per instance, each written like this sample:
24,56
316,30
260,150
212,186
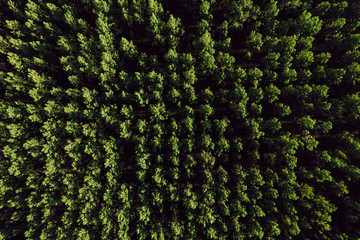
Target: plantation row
181,119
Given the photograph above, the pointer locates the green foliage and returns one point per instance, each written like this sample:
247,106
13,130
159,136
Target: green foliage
179,119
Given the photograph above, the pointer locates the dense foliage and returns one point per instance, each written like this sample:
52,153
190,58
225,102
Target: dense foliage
179,119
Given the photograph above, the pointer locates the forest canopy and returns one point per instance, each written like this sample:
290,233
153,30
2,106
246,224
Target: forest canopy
179,119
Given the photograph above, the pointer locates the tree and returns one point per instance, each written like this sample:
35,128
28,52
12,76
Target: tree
206,110
306,23
179,119
271,60
272,93
254,42
128,48
353,72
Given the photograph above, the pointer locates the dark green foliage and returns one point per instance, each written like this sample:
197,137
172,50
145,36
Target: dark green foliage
181,119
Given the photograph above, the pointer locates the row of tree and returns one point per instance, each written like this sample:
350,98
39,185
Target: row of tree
201,119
